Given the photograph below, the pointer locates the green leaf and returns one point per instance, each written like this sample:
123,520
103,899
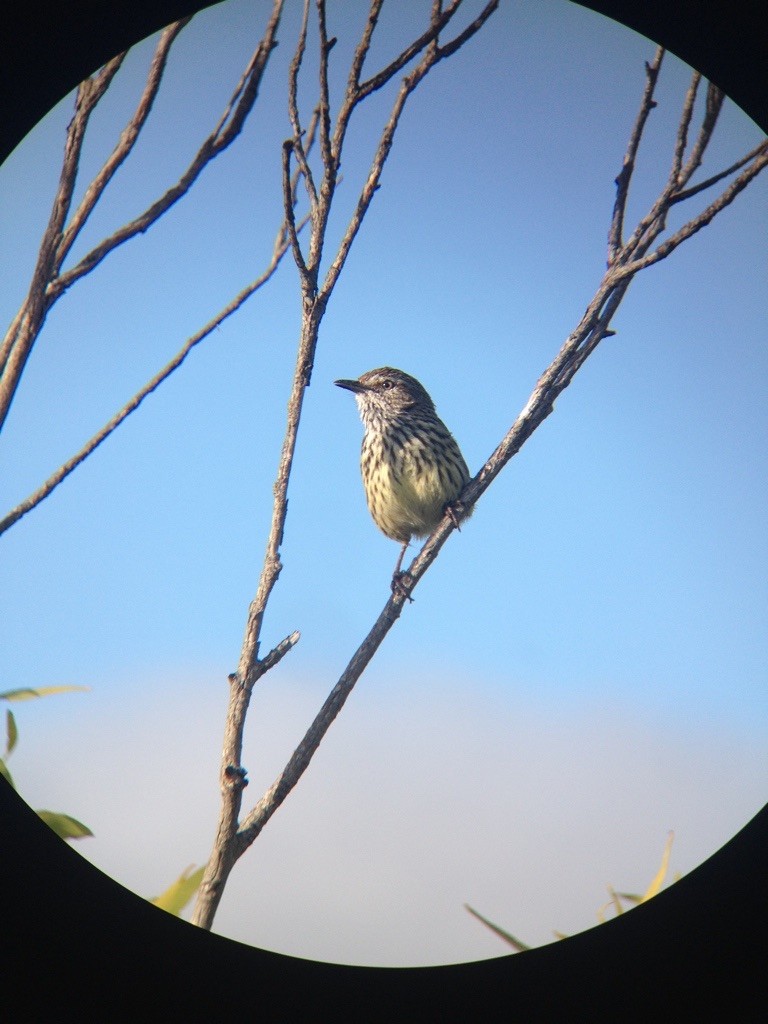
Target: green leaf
630,897
11,732
658,878
28,693
63,825
6,774
614,902
178,895
513,942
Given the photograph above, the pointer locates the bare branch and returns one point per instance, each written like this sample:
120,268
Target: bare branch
226,131
290,220
21,336
624,177
430,58
374,176
681,140
650,227
126,142
704,218
361,50
33,308
472,28
48,283
281,247
229,843
687,193
278,653
250,668
382,77
326,46
714,103
293,111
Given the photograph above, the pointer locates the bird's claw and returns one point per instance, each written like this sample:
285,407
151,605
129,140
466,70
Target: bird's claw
455,512
398,586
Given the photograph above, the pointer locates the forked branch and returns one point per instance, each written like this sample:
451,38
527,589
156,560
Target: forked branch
50,280
49,283
625,260
232,837
45,489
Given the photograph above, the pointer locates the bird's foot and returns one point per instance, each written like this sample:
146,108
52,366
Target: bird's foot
398,584
456,513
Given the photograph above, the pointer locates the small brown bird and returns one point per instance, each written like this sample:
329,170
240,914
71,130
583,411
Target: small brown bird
413,470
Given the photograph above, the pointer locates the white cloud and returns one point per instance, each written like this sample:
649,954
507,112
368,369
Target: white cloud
423,796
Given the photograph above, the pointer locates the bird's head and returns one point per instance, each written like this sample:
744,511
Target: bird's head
386,393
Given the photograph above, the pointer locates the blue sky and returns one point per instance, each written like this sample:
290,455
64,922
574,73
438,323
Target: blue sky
583,668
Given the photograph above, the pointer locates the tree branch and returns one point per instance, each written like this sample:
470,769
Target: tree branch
714,104
293,112
593,327
230,842
290,220
281,245
681,140
361,50
226,131
410,82
126,142
326,46
20,338
687,193
624,177
48,282
382,77
45,489
704,218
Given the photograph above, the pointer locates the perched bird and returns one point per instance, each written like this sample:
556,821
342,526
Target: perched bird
413,470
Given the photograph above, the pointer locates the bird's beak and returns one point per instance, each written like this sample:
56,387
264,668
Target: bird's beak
350,385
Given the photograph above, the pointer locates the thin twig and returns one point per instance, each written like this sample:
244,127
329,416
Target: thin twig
594,326
382,77
654,222
42,492
126,142
231,841
21,337
647,103
704,218
361,50
410,82
687,193
681,140
48,281
713,106
226,131
326,46
293,112
290,219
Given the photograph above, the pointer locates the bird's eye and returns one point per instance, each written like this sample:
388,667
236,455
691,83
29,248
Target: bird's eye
386,385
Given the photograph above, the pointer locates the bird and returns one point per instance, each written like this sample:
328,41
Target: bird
412,468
